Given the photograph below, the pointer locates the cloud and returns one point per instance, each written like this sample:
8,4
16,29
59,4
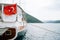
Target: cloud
43,9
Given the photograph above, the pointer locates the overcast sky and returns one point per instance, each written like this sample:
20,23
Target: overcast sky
43,9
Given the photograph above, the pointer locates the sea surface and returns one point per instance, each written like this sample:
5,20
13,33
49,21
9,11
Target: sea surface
42,31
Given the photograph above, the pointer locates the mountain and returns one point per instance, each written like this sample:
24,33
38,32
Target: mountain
55,21
31,19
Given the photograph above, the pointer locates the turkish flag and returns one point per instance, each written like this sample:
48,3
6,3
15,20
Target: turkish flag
10,9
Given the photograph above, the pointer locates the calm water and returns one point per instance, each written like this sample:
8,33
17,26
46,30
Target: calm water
42,31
